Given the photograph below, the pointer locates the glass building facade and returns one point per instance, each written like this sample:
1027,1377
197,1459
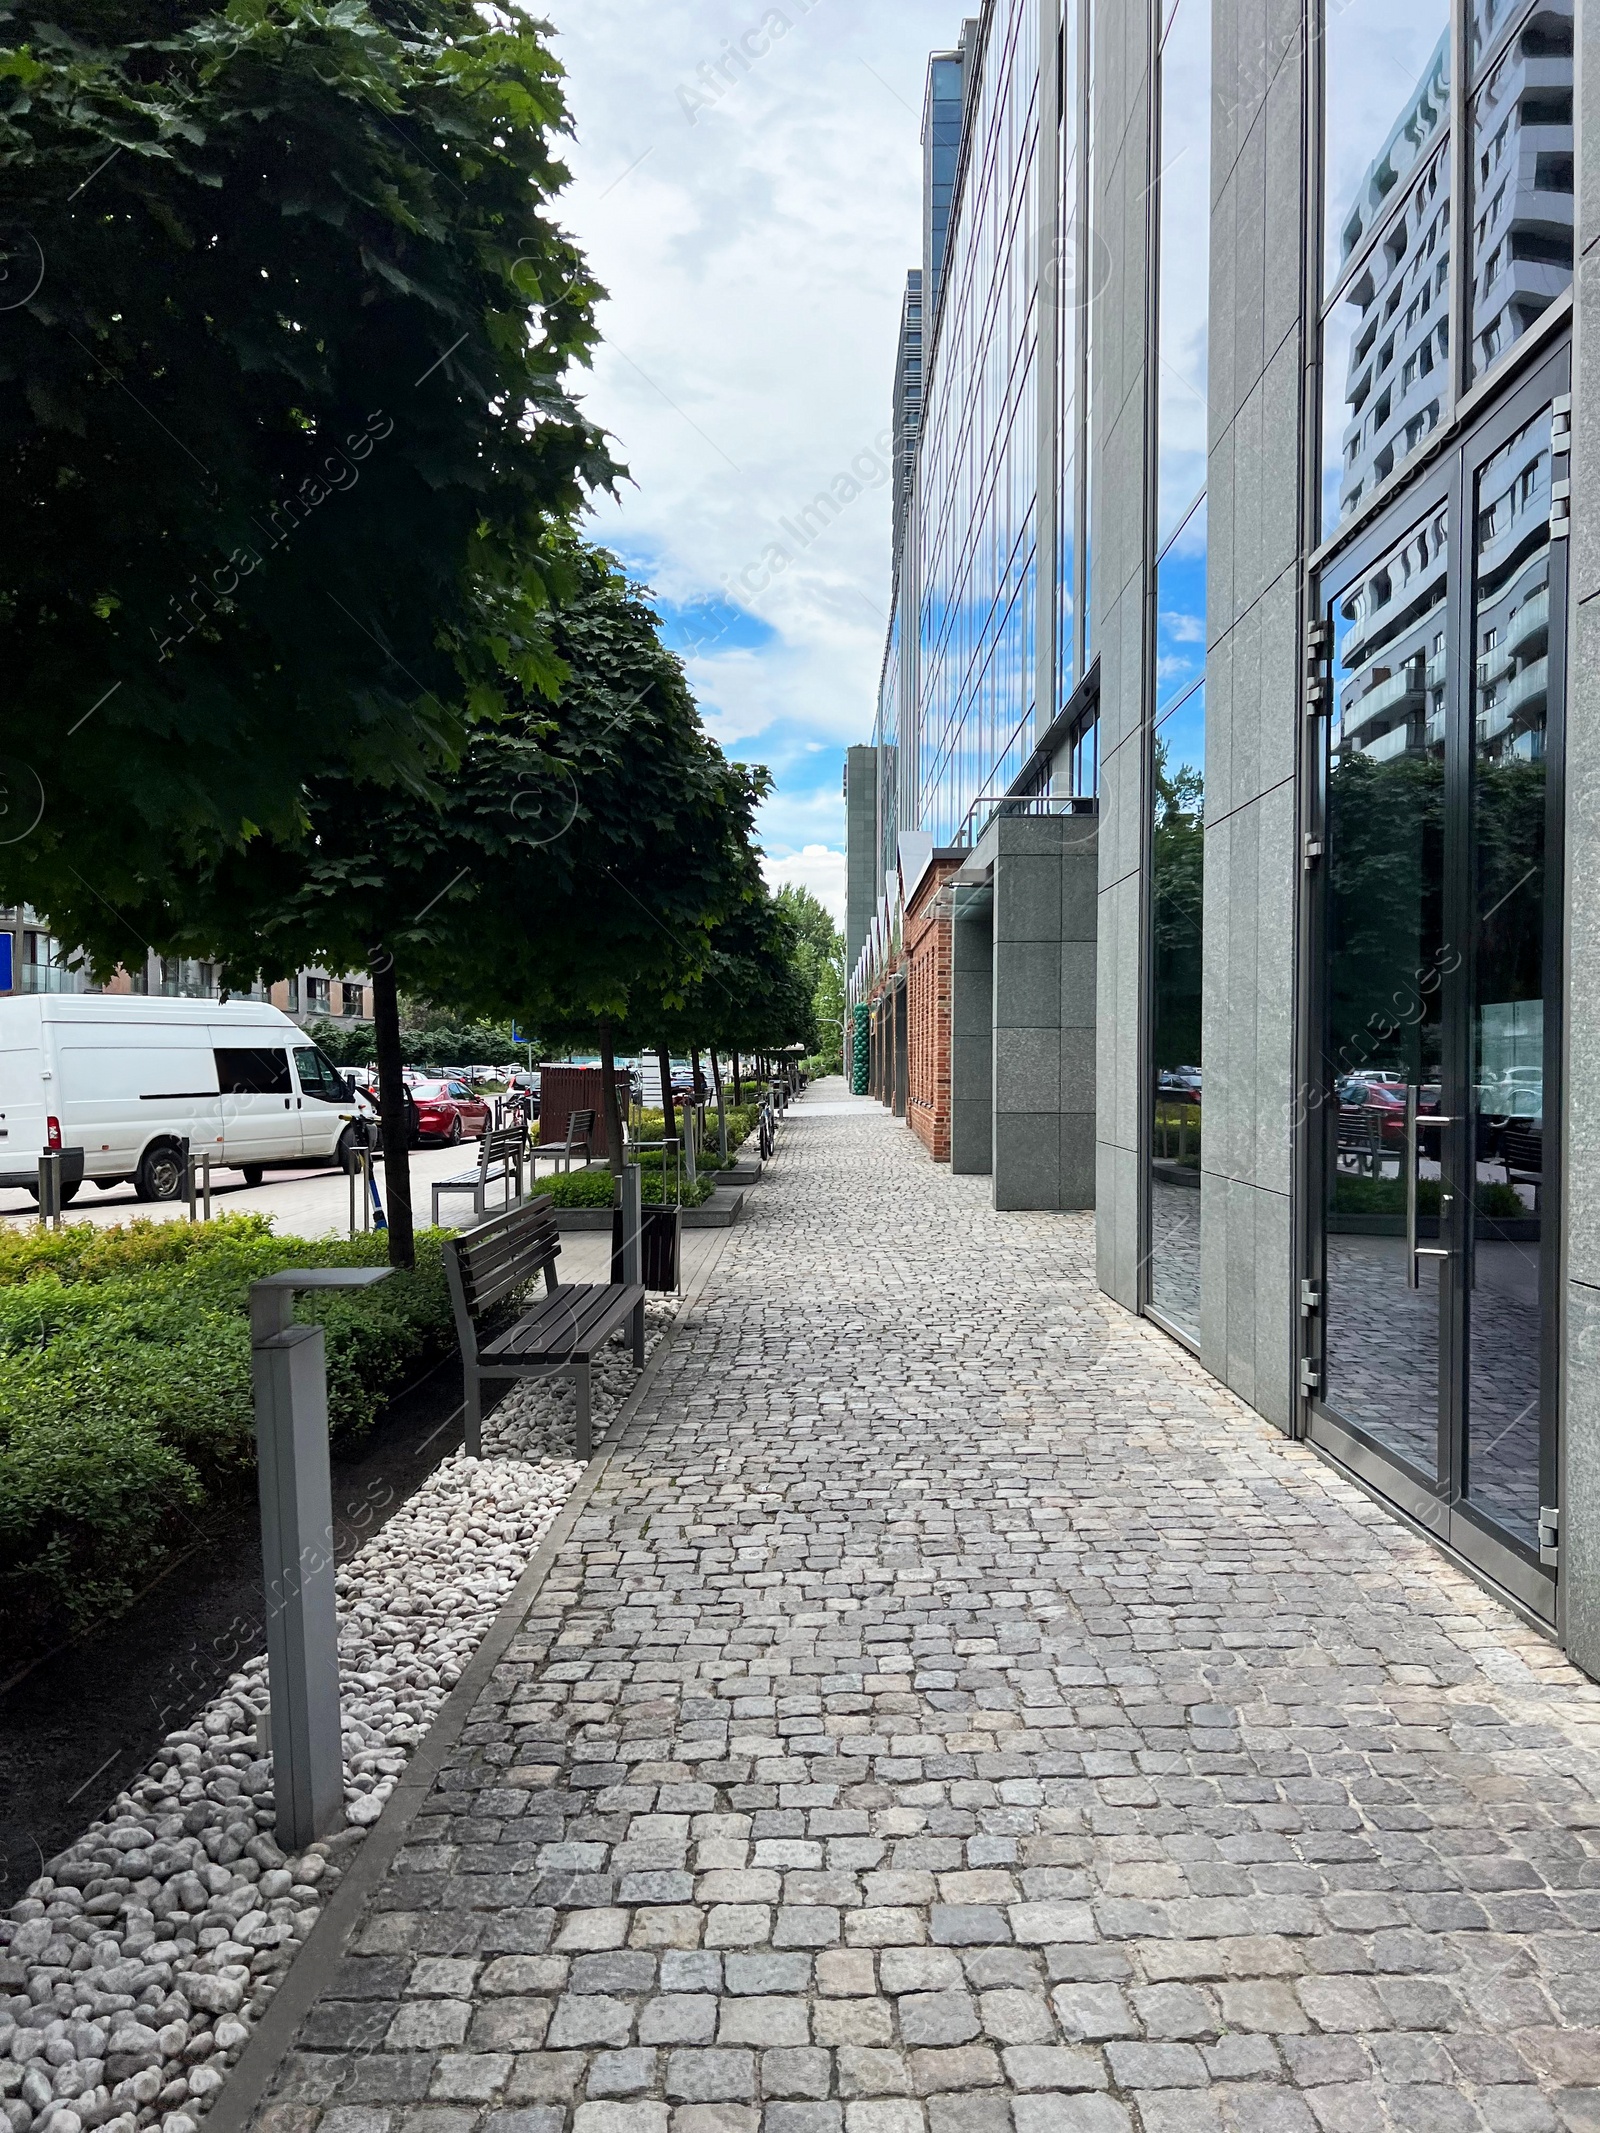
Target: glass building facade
980,626
1249,529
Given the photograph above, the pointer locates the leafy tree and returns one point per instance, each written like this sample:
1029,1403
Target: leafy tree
281,415
422,1044
577,855
820,957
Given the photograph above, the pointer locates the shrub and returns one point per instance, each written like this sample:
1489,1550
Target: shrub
125,1393
581,1188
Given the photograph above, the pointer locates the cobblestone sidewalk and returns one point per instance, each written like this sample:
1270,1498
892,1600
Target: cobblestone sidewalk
955,1713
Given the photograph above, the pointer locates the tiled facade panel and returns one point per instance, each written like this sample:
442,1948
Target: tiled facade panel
1254,699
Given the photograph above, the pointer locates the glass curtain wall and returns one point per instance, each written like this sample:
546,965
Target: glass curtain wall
1177,833
1448,241
886,737
1400,340
978,458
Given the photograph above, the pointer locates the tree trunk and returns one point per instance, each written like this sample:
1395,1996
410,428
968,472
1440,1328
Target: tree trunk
722,1107
668,1115
608,1095
392,1110
738,1091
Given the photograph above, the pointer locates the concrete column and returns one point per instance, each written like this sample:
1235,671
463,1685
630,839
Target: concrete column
972,1030
1045,886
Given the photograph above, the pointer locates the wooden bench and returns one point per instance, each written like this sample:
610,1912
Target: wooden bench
485,1268
500,1154
580,1130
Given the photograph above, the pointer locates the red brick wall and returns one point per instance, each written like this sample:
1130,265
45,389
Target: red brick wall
927,944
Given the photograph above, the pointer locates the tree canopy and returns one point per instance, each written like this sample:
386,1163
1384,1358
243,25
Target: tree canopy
574,863
819,955
284,410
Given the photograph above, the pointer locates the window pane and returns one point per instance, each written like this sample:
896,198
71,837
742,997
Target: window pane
253,1071
1387,958
1386,336
1177,906
1185,202
319,1077
1522,172
1181,613
1505,1393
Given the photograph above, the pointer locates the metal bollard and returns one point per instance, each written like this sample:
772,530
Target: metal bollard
198,1168
632,1224
360,1182
289,1370
50,1187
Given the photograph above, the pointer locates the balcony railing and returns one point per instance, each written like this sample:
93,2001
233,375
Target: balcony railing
50,977
997,806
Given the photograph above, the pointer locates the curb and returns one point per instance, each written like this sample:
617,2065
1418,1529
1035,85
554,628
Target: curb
313,1969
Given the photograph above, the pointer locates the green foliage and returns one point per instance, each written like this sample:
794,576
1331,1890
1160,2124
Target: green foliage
282,420
581,1188
1177,911
819,955
125,1395
427,1044
597,1188
1387,1196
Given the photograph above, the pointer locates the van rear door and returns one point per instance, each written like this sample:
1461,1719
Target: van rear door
22,1114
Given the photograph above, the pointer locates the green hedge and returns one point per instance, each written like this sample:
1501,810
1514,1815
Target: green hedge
595,1188
125,1398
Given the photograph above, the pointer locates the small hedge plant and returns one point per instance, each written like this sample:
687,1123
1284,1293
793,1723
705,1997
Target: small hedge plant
125,1394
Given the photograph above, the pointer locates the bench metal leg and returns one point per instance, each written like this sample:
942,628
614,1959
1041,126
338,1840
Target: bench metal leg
472,1406
638,1335
580,1375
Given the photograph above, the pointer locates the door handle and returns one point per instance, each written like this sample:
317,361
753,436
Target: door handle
1415,1251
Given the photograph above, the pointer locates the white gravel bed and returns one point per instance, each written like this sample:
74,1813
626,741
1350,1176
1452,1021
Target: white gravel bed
538,1418
132,1971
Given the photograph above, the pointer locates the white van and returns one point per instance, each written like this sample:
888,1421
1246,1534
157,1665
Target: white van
128,1079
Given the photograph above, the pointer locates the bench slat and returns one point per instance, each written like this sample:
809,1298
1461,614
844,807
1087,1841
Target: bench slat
572,1322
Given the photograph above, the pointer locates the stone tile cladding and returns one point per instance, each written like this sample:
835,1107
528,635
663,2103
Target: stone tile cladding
957,1713
927,948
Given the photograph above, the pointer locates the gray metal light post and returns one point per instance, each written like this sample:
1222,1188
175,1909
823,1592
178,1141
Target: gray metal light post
289,1369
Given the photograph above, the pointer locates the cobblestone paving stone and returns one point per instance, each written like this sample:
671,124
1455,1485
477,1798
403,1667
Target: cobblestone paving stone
955,1713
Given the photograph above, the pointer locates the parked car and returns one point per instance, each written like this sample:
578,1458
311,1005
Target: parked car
447,1110
369,1089
129,1079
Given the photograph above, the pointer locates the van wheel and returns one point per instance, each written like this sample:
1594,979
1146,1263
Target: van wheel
252,1173
160,1172
345,1153
68,1194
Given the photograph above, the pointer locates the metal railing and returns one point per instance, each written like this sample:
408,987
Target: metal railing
1002,805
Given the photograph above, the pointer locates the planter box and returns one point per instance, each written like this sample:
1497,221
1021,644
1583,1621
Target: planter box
721,1211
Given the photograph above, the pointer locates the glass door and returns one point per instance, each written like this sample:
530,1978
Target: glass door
1432,1302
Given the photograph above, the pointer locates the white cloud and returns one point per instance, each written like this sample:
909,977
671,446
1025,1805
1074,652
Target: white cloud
815,868
755,260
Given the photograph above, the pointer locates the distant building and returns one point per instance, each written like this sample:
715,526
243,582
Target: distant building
34,960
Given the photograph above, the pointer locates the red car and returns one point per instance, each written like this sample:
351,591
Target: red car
449,1111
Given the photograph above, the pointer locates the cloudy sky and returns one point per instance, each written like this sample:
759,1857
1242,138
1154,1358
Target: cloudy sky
754,238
